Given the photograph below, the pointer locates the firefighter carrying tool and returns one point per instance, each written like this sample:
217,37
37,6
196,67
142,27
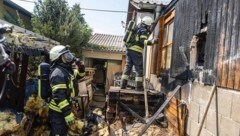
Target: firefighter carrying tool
64,87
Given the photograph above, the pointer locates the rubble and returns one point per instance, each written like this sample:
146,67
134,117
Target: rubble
8,123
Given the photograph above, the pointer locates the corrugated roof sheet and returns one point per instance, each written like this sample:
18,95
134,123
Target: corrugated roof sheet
106,42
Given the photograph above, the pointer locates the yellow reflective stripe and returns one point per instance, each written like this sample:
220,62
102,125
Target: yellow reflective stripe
39,82
143,36
73,90
136,48
55,108
58,86
129,36
137,38
145,42
53,102
69,117
76,72
81,74
139,79
125,77
63,104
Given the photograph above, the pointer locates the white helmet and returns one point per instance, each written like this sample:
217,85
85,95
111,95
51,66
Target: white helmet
147,20
57,51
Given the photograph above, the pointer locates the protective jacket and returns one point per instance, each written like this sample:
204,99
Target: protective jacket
134,57
141,39
64,86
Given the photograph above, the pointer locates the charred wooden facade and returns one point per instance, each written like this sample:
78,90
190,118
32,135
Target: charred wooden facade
215,23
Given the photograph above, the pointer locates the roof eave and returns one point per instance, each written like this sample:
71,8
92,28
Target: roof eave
19,8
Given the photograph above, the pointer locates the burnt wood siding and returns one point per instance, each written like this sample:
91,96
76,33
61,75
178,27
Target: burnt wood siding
222,48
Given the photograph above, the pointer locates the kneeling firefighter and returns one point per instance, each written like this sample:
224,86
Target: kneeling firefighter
64,87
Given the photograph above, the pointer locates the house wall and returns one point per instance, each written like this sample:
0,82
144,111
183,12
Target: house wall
223,115
220,20
102,55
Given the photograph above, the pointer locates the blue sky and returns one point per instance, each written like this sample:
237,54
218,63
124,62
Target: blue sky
101,22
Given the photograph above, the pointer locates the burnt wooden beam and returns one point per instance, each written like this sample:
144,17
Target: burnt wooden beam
159,110
22,85
134,114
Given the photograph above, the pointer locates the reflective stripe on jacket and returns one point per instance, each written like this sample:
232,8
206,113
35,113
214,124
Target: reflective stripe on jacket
141,39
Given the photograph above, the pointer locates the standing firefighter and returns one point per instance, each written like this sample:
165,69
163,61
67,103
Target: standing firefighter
63,81
134,56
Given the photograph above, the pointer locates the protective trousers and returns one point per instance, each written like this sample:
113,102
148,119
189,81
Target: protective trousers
135,59
58,124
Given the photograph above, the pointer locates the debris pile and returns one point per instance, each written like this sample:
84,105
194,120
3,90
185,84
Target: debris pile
8,123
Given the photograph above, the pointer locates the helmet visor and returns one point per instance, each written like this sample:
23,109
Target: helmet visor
68,56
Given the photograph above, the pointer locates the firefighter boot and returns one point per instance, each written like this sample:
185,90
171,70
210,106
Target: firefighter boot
124,83
139,86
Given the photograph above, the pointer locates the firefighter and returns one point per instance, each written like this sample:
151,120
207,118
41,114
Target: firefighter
134,55
63,82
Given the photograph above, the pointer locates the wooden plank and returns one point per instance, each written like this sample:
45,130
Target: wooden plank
115,89
209,44
227,44
217,39
237,68
222,44
172,119
174,101
160,44
172,111
213,45
234,43
155,51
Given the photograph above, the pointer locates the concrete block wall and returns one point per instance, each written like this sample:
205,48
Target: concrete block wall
223,117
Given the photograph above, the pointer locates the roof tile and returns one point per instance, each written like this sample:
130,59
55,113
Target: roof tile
106,42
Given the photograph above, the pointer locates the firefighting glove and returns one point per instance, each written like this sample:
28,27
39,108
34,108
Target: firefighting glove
155,41
70,119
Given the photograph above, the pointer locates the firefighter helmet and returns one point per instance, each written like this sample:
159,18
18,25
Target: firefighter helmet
57,51
147,20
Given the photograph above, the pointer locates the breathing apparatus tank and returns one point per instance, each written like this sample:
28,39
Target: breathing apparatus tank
130,32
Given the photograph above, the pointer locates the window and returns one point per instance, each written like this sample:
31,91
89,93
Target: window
167,45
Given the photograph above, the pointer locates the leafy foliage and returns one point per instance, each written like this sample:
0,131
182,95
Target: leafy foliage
54,19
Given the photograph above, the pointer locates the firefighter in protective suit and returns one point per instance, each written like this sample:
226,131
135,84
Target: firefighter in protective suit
64,87
134,55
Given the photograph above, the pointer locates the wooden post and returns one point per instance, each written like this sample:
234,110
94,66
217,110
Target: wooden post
22,85
146,100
